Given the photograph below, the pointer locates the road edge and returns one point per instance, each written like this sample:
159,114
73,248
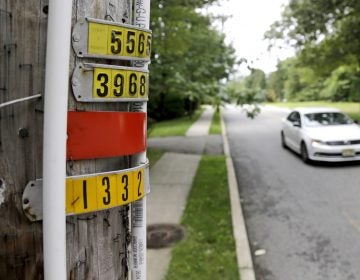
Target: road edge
243,253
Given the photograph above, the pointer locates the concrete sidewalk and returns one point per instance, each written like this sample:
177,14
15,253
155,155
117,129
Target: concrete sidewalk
171,179
202,125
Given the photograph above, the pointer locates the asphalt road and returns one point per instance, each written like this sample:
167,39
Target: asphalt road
305,217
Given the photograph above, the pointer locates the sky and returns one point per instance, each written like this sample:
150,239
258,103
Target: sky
245,29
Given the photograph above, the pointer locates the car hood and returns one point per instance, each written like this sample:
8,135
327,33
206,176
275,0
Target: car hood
334,132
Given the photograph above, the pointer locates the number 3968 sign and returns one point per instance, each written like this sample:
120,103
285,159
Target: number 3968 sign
109,83
107,39
120,83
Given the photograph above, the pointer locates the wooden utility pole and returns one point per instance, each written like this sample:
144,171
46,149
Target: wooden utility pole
98,242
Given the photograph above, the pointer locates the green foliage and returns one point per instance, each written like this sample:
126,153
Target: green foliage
219,100
256,80
327,37
305,21
271,96
248,92
293,81
342,85
208,252
326,32
275,84
189,58
168,106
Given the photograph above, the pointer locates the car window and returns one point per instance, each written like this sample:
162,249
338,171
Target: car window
326,118
294,117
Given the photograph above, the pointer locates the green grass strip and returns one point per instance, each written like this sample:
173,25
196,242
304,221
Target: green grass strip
215,127
153,155
176,127
208,251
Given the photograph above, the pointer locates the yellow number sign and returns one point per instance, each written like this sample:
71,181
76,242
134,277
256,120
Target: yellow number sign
103,191
119,83
118,40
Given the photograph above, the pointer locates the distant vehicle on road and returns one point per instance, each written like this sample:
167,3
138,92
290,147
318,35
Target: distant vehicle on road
321,134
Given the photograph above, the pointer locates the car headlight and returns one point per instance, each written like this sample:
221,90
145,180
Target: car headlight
315,142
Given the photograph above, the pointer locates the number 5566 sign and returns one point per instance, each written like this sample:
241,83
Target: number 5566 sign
107,39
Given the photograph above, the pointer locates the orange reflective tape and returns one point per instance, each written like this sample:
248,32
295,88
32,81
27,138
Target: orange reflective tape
105,134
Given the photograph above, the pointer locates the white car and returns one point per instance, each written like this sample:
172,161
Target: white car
321,134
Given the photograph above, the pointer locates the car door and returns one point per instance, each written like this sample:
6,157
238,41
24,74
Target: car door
292,130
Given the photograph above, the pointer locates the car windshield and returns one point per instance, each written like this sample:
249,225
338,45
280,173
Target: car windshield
326,118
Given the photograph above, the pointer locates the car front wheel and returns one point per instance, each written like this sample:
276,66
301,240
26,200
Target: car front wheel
283,142
304,153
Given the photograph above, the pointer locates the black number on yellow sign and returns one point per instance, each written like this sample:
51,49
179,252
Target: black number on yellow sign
113,83
148,45
132,84
103,90
106,184
104,191
125,182
85,194
136,43
139,175
141,46
142,88
116,41
118,85
130,42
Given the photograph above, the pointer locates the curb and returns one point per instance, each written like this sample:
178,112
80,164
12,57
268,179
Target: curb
243,253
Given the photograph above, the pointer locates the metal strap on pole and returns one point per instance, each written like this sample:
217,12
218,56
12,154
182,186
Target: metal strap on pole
19,100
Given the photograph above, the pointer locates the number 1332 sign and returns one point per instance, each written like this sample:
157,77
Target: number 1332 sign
101,191
92,192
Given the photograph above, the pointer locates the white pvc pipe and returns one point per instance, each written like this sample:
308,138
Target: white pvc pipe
141,18
54,146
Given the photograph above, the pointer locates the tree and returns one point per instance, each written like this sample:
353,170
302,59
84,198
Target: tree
190,58
248,92
330,29
327,37
342,85
275,84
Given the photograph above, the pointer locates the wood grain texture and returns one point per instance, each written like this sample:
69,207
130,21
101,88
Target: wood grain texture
97,243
